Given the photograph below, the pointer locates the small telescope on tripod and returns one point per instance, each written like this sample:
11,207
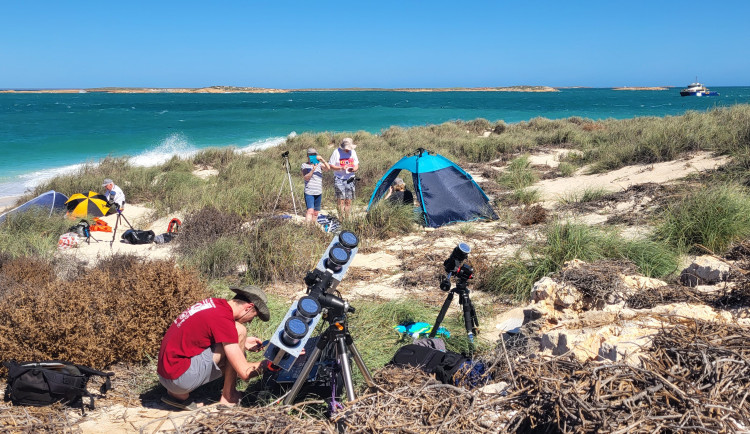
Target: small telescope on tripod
335,345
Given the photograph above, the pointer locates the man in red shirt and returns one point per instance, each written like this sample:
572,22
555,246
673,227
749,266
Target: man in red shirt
209,340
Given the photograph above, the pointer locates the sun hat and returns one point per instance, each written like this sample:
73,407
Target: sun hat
256,296
399,181
348,144
107,181
312,151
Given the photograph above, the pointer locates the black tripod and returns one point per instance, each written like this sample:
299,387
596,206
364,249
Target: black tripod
117,223
336,334
285,156
463,272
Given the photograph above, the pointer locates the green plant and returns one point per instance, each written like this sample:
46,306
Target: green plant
713,217
525,196
588,194
32,233
384,221
518,174
566,169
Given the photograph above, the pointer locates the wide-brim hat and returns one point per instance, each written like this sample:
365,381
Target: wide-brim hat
107,182
256,296
312,151
348,144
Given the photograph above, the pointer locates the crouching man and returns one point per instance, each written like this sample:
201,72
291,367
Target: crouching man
209,340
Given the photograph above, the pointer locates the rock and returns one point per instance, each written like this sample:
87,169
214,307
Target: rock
642,282
494,388
543,289
510,321
705,270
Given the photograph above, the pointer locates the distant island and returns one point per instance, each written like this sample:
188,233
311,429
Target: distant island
234,89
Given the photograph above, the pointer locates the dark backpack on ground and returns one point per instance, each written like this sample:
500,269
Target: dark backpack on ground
44,383
134,236
445,365
81,228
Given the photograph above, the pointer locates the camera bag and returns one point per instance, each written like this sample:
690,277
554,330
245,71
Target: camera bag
448,367
43,383
81,228
134,236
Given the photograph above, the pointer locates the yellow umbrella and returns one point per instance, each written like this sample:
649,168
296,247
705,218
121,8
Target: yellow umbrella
93,203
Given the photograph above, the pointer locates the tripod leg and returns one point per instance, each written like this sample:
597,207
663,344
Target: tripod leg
441,315
126,220
346,370
291,187
114,231
304,373
361,365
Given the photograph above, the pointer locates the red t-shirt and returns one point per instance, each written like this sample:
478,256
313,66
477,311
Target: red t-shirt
201,325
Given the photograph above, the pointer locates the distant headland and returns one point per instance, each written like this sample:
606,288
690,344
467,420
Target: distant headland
234,89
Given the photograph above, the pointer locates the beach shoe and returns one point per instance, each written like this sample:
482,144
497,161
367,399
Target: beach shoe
187,404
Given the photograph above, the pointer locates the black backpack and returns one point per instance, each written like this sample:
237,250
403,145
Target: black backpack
44,383
432,361
134,236
81,228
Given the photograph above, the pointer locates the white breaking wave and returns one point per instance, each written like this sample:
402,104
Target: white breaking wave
174,144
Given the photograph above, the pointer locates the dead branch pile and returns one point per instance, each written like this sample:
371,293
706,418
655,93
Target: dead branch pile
695,378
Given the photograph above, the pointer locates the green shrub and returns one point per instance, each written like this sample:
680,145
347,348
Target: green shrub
384,221
713,217
518,174
32,233
525,196
566,169
589,194
278,250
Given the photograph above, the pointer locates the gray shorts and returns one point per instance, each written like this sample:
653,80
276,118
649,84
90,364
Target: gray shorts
344,189
202,370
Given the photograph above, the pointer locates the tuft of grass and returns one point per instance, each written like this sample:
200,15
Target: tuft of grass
566,169
278,250
589,194
384,221
32,233
518,174
567,241
525,196
713,217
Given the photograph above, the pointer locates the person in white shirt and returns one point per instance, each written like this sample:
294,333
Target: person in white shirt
114,195
344,163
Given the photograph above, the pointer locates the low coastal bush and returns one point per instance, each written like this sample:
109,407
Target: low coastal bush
32,233
384,221
518,174
567,241
713,217
280,250
117,312
211,241
589,194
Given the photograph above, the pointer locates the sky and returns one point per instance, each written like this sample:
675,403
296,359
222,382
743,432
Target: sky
381,44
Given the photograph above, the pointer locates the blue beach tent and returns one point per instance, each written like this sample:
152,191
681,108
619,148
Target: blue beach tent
49,201
445,192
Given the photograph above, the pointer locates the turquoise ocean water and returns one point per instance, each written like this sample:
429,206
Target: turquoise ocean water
42,135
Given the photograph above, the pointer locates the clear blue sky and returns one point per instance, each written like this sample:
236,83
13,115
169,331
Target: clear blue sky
300,44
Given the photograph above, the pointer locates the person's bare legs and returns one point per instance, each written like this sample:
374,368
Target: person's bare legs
311,215
229,393
347,207
341,207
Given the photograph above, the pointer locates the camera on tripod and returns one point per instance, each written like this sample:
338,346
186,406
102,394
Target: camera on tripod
285,154
455,266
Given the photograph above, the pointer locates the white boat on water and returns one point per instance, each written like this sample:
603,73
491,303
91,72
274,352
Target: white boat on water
697,89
